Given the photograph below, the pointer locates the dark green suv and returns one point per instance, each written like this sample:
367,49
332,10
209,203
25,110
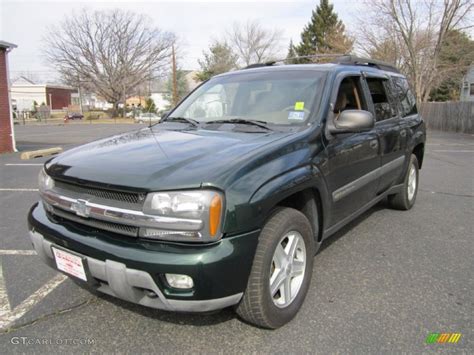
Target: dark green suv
226,200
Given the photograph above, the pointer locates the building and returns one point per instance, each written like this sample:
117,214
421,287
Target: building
91,101
467,86
24,93
7,136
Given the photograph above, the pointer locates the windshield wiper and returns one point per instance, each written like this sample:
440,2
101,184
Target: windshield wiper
183,119
261,124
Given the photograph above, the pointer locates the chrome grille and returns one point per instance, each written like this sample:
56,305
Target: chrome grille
94,223
130,199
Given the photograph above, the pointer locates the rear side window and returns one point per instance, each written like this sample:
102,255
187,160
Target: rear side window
405,96
383,104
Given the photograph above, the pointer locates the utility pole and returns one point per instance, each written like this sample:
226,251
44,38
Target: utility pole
175,79
80,100
80,95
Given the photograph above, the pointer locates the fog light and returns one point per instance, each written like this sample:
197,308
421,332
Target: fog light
179,281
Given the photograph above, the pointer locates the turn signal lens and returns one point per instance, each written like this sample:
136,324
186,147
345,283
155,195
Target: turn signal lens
215,212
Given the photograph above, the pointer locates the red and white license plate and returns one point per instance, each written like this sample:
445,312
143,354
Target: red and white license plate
69,263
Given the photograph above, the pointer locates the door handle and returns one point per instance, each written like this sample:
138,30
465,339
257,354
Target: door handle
374,144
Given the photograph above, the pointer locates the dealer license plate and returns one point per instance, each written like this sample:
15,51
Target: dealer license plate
69,263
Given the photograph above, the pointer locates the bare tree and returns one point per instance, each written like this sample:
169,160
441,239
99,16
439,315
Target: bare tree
252,43
411,34
109,52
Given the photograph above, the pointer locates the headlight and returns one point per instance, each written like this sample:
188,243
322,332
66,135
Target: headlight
206,206
45,182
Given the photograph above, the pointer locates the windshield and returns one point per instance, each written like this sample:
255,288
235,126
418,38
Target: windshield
276,97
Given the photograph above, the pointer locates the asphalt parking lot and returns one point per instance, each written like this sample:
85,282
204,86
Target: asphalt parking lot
382,284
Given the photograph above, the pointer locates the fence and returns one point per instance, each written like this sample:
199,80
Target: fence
449,116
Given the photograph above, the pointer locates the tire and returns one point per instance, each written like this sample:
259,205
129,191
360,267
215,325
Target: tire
258,306
405,199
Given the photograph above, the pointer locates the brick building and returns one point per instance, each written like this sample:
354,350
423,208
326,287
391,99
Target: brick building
7,139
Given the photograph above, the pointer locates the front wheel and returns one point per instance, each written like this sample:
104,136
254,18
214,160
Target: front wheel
281,271
405,199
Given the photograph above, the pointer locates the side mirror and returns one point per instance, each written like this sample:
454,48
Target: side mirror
352,121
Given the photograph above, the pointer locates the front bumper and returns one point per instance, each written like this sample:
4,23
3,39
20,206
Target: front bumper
129,268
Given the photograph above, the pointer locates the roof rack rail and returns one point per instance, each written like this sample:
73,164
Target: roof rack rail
354,60
259,65
311,56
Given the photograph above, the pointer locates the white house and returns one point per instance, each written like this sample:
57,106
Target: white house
24,93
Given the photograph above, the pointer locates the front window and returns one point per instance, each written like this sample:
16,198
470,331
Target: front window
278,97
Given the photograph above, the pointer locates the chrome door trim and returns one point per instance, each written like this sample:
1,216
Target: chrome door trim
367,178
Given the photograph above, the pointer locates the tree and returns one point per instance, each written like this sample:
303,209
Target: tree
290,57
413,34
457,54
324,34
219,59
252,43
108,52
182,85
150,105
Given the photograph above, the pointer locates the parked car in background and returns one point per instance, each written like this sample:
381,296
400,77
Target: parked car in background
147,117
74,116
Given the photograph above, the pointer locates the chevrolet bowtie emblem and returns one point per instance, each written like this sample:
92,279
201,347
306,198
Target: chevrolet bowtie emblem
81,208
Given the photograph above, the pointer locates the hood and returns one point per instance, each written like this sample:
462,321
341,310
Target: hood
155,158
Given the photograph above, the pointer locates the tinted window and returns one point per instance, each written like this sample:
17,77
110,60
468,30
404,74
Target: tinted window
383,105
405,96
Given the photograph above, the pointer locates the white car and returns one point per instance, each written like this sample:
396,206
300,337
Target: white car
147,118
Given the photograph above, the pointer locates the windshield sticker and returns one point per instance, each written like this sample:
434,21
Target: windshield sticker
299,106
296,115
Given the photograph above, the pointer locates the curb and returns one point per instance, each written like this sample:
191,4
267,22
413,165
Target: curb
40,153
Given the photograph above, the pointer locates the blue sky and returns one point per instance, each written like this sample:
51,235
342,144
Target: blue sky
25,23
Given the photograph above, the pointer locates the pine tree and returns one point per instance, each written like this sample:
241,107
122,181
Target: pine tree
219,59
457,54
291,54
324,34
182,82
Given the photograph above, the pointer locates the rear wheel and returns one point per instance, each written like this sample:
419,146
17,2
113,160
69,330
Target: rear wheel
405,199
281,271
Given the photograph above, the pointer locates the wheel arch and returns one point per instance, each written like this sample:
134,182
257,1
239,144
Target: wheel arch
419,151
303,189
308,202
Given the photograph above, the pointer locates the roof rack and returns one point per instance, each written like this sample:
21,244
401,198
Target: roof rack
353,60
346,59
259,65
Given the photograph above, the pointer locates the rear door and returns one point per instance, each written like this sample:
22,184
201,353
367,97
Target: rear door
390,129
352,158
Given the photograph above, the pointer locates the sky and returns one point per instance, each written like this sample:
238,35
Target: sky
26,23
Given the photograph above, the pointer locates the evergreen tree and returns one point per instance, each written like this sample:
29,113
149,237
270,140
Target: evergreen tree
150,105
219,59
457,54
324,34
182,82
291,54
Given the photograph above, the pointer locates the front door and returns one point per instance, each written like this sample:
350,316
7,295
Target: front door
353,158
